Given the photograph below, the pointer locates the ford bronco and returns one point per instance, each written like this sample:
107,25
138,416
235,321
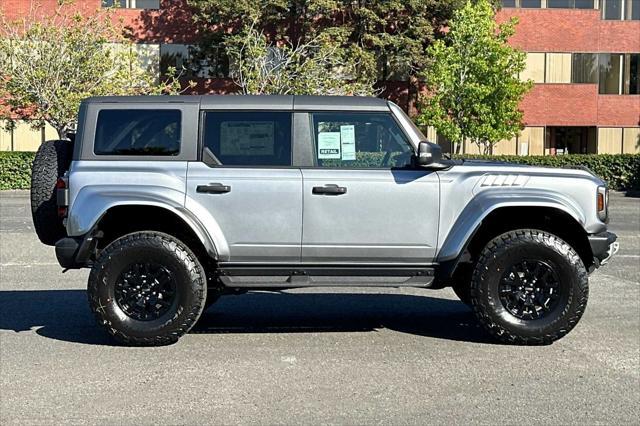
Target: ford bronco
175,201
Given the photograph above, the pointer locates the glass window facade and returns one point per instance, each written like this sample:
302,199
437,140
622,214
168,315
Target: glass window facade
610,73
565,4
132,4
632,82
536,4
584,68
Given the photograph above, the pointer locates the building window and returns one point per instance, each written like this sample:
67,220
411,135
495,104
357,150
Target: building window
633,10
531,4
610,65
620,9
552,4
560,4
132,4
632,74
190,61
584,4
584,68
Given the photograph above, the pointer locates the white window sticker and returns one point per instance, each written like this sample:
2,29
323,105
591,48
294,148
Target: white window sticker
247,138
329,145
348,142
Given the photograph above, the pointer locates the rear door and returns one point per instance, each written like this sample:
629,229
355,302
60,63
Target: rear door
363,202
246,182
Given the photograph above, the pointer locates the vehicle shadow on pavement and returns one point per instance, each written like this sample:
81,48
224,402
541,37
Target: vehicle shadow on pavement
342,312
64,315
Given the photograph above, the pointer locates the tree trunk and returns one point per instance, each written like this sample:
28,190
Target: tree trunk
412,98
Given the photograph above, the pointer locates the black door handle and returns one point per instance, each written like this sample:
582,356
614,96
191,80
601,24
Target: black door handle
329,190
213,188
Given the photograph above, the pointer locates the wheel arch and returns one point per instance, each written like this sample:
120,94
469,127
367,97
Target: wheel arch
555,218
124,218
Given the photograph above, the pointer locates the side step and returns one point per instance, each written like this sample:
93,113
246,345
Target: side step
263,276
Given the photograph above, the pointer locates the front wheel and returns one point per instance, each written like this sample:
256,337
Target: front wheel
147,288
529,287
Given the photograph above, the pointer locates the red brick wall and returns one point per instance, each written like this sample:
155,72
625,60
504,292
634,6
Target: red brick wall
566,30
171,24
571,30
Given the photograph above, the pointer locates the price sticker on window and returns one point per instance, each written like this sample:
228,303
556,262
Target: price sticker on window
329,146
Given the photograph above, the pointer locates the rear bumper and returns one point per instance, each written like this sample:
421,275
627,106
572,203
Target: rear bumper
603,247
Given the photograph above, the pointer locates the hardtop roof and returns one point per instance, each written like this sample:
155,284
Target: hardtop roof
253,102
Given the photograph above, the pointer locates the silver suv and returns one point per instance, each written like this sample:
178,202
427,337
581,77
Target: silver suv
175,201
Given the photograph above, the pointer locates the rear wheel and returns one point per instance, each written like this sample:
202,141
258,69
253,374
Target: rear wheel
529,287
147,288
51,162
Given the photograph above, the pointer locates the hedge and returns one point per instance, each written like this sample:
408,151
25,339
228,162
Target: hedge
620,171
15,170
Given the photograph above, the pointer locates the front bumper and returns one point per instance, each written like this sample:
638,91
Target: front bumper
603,246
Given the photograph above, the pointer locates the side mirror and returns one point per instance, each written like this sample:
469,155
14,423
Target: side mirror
429,154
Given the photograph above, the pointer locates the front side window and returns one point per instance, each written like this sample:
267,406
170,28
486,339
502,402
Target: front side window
249,138
138,132
359,140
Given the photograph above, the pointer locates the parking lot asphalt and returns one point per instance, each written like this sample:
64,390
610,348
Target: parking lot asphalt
355,356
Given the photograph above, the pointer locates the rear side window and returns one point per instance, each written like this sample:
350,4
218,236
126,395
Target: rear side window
138,132
249,138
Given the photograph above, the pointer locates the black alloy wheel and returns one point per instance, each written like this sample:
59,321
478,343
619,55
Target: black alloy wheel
145,291
530,289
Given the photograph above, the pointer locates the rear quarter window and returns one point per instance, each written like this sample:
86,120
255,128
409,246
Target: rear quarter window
138,132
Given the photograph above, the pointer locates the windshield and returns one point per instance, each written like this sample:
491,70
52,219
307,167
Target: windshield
414,132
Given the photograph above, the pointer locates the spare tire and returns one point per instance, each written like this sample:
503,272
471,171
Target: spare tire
51,161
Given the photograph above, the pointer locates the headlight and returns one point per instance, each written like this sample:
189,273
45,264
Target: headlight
602,203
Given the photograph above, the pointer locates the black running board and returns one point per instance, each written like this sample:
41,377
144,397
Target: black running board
287,276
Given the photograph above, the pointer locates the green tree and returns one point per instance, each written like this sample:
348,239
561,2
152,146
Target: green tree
311,68
380,40
48,64
473,86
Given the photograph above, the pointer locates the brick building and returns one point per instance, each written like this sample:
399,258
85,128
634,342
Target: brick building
583,56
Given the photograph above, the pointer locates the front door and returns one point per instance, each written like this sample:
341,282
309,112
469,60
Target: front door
363,202
247,185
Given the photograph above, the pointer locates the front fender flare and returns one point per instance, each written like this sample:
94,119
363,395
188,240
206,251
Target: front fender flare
471,217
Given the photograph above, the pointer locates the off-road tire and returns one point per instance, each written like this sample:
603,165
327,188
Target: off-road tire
504,251
50,163
191,288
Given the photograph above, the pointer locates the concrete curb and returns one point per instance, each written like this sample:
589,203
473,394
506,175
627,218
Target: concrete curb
14,193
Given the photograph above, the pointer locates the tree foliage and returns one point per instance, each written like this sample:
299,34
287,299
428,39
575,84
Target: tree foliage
315,67
380,40
473,86
48,64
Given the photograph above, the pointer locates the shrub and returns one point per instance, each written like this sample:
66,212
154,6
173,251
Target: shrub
15,170
620,171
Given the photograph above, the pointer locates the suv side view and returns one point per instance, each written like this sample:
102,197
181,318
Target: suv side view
175,201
